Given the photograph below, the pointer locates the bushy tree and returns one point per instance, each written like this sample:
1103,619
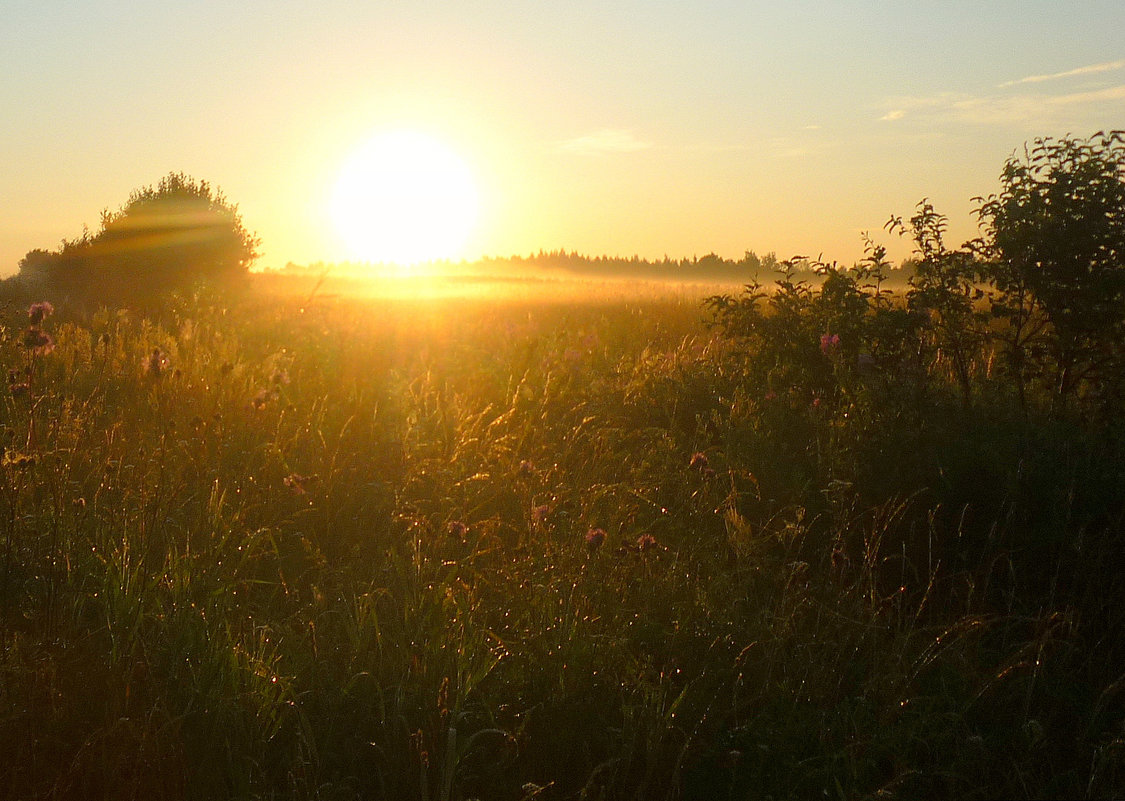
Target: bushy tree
944,289
1055,235
166,236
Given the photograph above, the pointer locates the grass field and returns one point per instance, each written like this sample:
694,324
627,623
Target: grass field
453,545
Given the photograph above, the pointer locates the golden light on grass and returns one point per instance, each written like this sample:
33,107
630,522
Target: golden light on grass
404,198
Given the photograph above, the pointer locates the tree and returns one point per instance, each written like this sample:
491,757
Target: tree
172,235
1056,236
943,287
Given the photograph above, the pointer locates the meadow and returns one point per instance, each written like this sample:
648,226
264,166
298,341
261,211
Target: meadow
548,545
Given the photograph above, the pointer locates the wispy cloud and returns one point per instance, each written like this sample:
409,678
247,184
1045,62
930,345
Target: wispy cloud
605,141
1107,66
1003,108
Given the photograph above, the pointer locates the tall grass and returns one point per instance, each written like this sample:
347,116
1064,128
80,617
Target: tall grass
333,548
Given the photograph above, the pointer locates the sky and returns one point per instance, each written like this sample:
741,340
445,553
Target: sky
651,128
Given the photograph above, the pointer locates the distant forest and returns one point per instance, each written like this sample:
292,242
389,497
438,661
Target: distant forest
712,267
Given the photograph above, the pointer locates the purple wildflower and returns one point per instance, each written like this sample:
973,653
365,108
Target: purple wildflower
699,461
646,542
457,530
37,312
539,515
595,538
38,341
829,343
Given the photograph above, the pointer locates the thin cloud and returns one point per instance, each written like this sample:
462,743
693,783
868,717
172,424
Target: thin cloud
1096,96
1029,108
604,142
1107,66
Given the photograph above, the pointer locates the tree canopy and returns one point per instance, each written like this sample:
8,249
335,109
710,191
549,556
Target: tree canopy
167,236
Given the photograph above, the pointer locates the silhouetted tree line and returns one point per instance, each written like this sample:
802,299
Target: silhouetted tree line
710,267
166,237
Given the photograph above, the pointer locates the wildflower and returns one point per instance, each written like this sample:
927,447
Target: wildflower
829,343
155,364
299,484
37,312
816,402
539,515
457,529
699,461
595,537
771,395
646,542
39,342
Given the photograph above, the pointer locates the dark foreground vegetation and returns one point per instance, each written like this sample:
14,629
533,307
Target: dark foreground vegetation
821,542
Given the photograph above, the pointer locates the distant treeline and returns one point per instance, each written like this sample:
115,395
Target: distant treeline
711,267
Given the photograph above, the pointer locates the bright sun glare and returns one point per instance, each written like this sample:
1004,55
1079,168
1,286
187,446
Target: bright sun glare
404,198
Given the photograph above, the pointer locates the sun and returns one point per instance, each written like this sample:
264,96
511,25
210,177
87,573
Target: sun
404,198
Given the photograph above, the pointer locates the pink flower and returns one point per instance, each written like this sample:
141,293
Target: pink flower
829,343
771,395
39,342
539,515
699,461
457,529
646,542
595,537
38,311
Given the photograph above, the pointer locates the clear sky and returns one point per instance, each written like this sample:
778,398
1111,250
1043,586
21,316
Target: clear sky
622,128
